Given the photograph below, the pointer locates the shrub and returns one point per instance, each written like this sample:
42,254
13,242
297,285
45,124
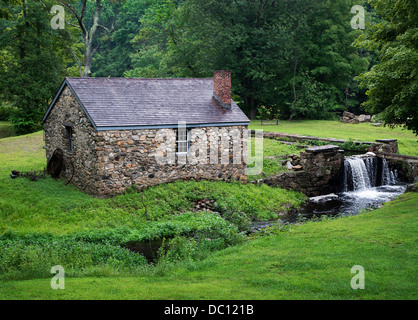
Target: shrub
28,258
6,110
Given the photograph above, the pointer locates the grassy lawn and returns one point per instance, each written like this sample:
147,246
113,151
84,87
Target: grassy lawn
274,152
407,141
310,261
45,223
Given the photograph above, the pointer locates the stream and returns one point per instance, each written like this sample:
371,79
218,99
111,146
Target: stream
368,182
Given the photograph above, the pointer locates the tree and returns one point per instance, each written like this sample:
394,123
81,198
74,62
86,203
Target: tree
89,31
393,82
114,55
324,62
34,65
292,55
4,12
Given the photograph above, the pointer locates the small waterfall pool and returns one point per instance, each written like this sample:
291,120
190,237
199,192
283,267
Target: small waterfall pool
367,183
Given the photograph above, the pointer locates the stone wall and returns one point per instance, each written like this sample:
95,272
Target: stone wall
80,163
148,157
322,166
380,145
407,166
108,162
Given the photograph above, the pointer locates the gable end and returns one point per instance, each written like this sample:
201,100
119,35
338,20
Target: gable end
66,83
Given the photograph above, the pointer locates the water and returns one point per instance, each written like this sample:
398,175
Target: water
368,183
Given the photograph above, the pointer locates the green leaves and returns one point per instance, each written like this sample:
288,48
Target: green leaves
393,83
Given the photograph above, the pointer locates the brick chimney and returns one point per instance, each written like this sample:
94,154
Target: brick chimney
222,87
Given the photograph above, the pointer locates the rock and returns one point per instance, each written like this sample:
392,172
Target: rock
355,121
349,115
289,165
296,168
327,197
377,124
361,118
411,188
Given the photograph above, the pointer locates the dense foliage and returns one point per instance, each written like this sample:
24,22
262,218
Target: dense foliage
393,82
34,57
292,59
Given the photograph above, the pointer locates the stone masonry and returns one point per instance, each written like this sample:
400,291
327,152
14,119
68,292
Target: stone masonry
104,163
322,168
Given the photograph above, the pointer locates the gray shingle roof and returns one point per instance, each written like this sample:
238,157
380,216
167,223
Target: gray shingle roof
134,102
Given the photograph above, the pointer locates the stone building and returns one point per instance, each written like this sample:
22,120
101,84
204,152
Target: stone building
119,132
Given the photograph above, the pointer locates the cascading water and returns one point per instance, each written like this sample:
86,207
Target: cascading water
361,173
356,176
367,183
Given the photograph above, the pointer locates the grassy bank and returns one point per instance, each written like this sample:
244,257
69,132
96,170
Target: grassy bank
49,205
45,221
407,141
310,261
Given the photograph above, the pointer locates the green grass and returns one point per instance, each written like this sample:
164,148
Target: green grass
51,206
34,214
407,141
272,166
44,223
310,261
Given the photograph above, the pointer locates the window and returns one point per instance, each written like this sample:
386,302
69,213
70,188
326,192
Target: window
69,130
183,140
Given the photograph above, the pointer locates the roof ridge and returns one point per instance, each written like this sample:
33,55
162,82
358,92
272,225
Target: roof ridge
111,78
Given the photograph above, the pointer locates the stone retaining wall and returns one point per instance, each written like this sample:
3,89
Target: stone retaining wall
380,145
407,166
322,169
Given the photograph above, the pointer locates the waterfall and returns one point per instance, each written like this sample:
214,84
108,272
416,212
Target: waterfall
359,175
388,176
362,173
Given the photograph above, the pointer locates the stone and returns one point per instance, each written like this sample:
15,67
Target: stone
349,115
108,162
320,149
411,188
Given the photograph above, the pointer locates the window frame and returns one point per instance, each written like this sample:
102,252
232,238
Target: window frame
187,141
69,130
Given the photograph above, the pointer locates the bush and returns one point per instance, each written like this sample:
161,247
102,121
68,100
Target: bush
191,236
30,258
6,111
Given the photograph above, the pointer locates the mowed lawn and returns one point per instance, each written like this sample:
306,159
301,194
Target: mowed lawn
407,140
310,261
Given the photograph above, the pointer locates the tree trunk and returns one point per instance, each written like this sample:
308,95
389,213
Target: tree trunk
87,59
252,104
